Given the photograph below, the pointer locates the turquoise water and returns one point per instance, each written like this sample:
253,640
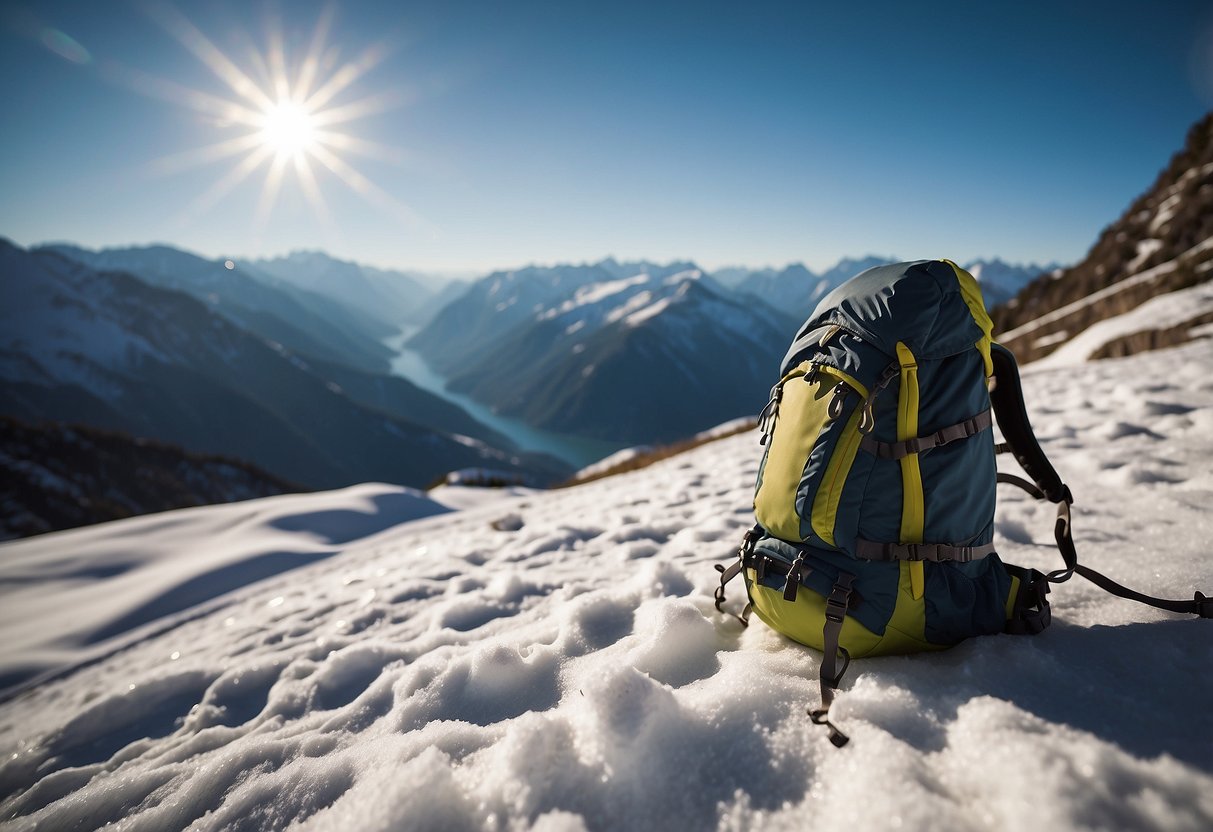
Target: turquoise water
577,451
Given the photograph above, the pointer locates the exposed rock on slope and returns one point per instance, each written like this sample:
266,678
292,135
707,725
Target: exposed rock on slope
1162,243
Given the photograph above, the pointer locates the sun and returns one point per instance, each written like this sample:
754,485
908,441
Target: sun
288,117
288,129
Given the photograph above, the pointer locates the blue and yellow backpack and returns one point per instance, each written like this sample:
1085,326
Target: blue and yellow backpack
875,496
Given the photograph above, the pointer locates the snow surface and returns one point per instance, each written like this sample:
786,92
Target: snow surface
1166,310
553,661
118,578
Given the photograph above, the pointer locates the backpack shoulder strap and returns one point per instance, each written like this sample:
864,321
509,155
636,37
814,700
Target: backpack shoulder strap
1006,398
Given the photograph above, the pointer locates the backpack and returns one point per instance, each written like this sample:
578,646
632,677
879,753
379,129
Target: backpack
875,496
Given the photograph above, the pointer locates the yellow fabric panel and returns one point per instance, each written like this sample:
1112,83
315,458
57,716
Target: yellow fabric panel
1011,597
912,508
804,619
848,378
970,290
803,411
829,493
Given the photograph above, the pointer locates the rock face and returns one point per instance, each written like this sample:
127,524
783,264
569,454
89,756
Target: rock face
1162,243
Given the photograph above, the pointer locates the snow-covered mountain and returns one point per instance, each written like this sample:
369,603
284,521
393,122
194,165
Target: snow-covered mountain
305,322
795,287
651,356
1000,281
108,350
1162,243
390,297
553,661
494,305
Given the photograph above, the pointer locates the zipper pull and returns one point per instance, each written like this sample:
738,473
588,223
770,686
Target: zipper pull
766,419
841,390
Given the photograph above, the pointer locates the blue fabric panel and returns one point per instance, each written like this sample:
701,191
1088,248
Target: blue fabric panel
850,507
965,599
958,479
917,302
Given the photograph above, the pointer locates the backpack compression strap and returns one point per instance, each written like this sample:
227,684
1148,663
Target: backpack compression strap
1007,401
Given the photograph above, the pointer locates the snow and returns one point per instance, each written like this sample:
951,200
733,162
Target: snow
118,578
1145,250
553,661
1166,310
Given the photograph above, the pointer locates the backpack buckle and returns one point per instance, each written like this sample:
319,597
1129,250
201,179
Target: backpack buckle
839,600
1204,605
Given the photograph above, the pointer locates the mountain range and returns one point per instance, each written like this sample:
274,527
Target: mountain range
282,361
107,349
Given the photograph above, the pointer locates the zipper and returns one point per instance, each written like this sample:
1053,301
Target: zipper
868,420
770,413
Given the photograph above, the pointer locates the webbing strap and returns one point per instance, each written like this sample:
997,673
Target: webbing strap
1030,487
1201,604
871,550
733,570
952,433
831,674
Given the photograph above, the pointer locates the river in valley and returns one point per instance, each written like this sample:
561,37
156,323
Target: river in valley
577,451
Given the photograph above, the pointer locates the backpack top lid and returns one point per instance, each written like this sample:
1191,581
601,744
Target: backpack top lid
932,306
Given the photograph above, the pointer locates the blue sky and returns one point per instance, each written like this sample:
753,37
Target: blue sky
755,133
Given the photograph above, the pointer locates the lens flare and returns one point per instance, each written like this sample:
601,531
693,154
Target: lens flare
282,121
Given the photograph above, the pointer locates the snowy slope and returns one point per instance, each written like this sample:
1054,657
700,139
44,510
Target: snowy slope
571,673
119,576
1165,310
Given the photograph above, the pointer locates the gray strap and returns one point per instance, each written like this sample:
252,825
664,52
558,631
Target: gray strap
871,550
897,450
831,674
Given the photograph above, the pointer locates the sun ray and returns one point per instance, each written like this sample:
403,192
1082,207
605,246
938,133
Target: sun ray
311,190
365,187
363,147
175,93
188,35
224,186
345,76
362,108
276,57
311,62
269,190
198,156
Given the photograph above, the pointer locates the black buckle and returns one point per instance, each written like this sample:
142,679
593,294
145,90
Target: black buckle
913,552
1204,605
836,604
